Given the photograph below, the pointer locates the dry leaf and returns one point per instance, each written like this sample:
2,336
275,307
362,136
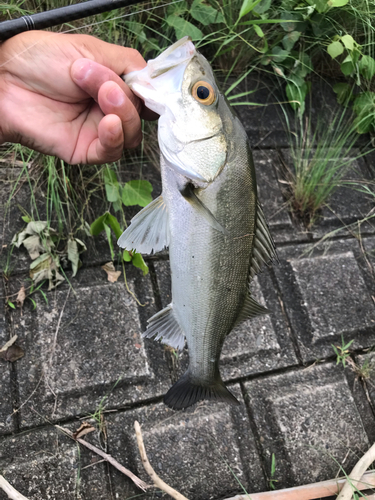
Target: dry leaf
21,297
112,274
13,353
84,429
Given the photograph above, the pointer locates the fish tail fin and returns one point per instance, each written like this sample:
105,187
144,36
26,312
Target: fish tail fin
188,391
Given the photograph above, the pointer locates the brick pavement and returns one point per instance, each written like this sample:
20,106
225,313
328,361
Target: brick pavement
83,349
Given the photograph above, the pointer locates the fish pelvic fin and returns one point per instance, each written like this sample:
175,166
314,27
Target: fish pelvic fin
189,390
148,231
164,326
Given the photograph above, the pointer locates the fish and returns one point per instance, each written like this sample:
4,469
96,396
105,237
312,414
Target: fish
208,215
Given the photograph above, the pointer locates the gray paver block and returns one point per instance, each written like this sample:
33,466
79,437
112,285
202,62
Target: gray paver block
189,449
257,345
46,464
82,346
6,410
309,420
269,192
326,297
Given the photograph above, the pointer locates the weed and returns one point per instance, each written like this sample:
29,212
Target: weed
342,352
272,480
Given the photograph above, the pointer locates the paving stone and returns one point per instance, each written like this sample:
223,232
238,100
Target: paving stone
190,450
46,464
326,297
309,420
6,410
270,196
85,345
258,345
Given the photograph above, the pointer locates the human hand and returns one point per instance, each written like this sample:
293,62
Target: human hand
62,95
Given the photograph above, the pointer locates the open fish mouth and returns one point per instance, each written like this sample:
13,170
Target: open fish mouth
162,76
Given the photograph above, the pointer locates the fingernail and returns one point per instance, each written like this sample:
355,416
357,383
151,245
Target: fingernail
116,129
116,96
82,70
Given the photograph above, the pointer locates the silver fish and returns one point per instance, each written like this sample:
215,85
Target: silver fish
208,215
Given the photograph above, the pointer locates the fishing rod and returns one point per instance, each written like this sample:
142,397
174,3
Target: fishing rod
61,15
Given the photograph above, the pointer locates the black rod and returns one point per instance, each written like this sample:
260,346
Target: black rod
61,15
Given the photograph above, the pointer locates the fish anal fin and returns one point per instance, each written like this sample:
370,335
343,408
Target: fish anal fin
250,309
264,250
190,196
148,231
164,326
188,391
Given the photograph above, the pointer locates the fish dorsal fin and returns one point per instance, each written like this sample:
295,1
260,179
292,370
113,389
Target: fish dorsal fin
250,309
164,326
148,231
264,250
190,196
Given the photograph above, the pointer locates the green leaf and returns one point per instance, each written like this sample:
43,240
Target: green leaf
10,304
26,219
344,92
258,31
106,219
364,107
138,261
348,41
278,54
137,193
297,95
290,39
126,256
247,6
334,49
112,186
337,3
262,6
347,66
367,67
205,14
184,28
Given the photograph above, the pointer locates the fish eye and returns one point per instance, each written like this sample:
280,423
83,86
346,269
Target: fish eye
203,92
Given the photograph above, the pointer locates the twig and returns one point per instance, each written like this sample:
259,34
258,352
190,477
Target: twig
9,343
150,471
355,476
138,482
10,491
309,491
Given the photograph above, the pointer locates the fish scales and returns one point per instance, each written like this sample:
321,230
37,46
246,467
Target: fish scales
208,215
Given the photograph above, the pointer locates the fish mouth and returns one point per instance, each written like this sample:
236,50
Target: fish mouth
162,76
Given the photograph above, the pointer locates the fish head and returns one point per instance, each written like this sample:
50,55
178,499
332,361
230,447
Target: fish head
180,86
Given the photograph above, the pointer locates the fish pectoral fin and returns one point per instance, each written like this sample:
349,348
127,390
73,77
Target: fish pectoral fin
264,250
164,326
190,196
148,231
250,309
188,391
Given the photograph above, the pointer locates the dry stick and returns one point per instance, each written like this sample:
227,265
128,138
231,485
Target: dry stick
150,471
9,490
138,482
309,491
355,476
